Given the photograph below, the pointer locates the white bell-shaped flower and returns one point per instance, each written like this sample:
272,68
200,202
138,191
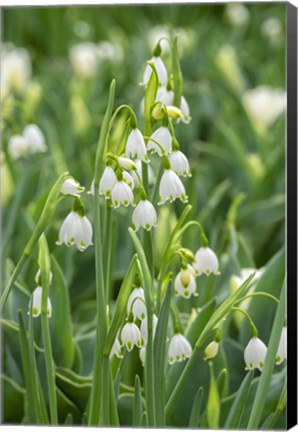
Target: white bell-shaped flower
107,182
206,262
144,327
144,215
15,69
76,229
254,354
179,163
131,336
35,138
179,349
122,195
135,146
185,110
18,146
128,178
136,304
151,177
84,59
164,95
142,355
72,187
282,347
185,284
36,303
38,278
160,70
116,349
163,136
171,187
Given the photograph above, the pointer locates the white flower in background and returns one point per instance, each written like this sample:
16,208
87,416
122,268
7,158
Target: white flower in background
142,355
185,110
185,284
144,327
122,195
72,187
211,350
75,229
179,163
179,349
171,187
206,262
160,70
135,146
84,59
271,29
151,177
36,303
18,146
165,96
16,69
129,180
116,349
163,136
264,105
106,184
227,61
144,215
131,336
254,354
237,14
35,138
38,278
282,347
136,304
107,50
157,32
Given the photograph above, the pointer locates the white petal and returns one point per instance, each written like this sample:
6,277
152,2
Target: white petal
171,187
131,336
144,327
255,353
179,349
129,180
163,136
144,215
135,146
206,261
71,187
179,163
107,182
122,194
160,70
136,304
18,146
282,347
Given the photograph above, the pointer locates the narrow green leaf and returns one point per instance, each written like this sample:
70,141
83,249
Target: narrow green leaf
137,404
68,419
222,383
234,417
150,93
113,402
195,415
13,402
213,404
120,307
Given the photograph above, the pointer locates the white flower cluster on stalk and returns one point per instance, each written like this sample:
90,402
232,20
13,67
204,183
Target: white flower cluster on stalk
31,141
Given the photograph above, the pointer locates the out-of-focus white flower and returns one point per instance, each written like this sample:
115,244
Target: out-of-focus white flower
15,69
129,180
84,59
282,347
136,304
160,70
179,349
158,32
144,215
271,29
75,229
151,177
211,350
122,195
144,327
179,163
171,188
254,354
36,303
185,284
107,50
116,349
135,146
142,355
131,336
18,146
227,61
163,136
264,105
237,14
35,138
72,187
206,262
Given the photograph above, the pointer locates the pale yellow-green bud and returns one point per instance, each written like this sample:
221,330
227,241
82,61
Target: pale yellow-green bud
256,164
185,278
158,111
211,350
174,112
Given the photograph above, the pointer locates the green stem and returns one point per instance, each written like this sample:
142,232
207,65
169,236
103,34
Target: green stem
253,328
260,397
12,281
105,392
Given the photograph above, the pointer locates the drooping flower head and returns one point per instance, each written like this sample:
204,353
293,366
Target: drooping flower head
179,348
72,187
116,349
254,354
106,184
122,194
144,327
163,136
185,284
160,68
131,336
282,347
35,303
35,138
144,216
135,146
136,304
179,163
206,262
170,187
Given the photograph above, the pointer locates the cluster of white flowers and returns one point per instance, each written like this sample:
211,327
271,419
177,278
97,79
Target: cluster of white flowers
35,301
31,141
255,352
